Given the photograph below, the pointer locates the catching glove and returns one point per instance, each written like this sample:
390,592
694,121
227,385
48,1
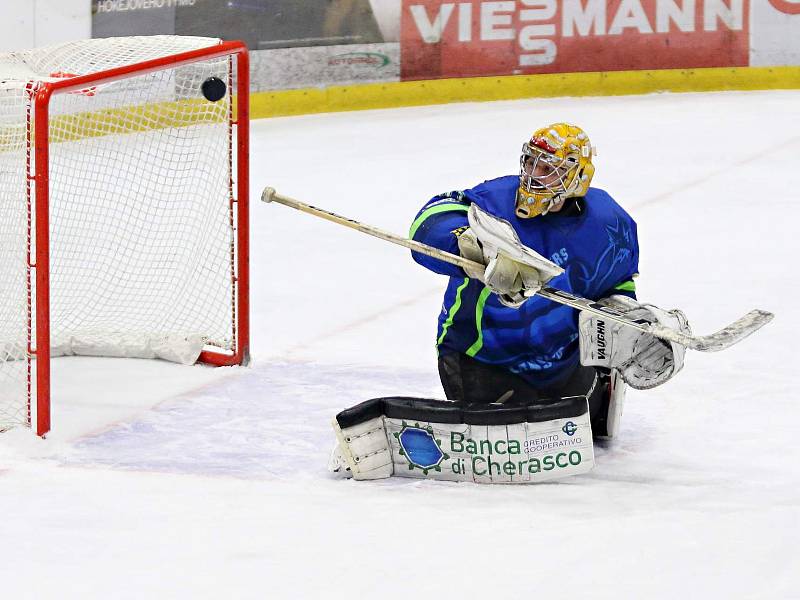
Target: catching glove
513,271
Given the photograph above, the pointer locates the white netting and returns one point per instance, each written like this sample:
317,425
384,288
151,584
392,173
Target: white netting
14,309
141,228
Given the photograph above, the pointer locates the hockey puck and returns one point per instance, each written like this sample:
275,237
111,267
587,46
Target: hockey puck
213,89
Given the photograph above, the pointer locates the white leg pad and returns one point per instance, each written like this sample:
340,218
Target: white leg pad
615,406
539,442
515,453
365,448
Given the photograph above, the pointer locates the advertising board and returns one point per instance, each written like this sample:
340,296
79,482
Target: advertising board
469,38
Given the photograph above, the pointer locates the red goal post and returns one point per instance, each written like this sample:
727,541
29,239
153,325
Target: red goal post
136,201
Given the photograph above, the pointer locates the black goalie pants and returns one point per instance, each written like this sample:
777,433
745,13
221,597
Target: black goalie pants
468,381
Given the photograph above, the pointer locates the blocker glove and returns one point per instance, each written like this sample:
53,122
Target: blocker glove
643,361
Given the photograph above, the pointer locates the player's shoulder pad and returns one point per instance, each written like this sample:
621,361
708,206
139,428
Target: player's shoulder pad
496,196
491,187
598,195
601,201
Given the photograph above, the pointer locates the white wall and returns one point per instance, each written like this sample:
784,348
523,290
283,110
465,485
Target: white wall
774,32
387,14
30,23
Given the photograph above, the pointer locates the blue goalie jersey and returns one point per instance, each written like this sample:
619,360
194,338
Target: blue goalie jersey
597,247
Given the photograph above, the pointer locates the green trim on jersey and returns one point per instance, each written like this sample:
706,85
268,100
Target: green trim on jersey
433,210
627,286
476,347
453,310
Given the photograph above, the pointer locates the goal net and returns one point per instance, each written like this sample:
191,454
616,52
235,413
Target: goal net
123,208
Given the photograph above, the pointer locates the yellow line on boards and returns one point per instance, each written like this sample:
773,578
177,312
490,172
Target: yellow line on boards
513,87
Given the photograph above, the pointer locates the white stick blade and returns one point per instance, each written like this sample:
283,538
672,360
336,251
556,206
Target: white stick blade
733,333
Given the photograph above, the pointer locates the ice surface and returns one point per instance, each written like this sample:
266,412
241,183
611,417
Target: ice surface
166,481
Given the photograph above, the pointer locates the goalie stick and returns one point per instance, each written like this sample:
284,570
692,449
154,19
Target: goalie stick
720,340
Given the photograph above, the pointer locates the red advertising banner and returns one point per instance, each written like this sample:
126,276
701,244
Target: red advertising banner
474,38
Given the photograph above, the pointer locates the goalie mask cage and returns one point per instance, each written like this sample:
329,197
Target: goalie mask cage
123,208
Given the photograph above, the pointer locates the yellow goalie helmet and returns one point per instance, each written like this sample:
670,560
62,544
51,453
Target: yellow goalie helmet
555,164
